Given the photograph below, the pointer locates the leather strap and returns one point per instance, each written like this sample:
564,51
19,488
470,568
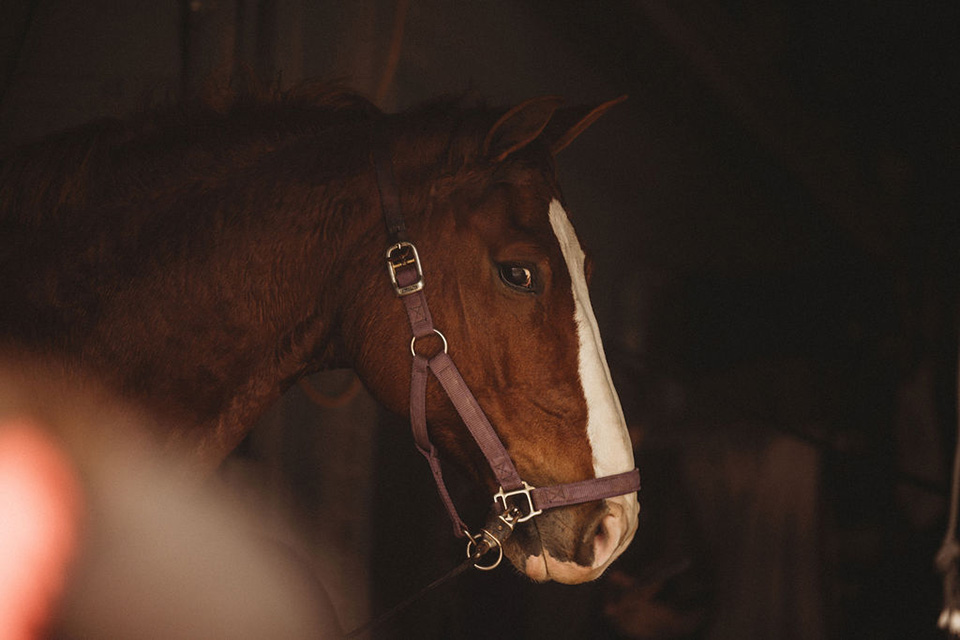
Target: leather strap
418,423
418,313
389,194
561,495
476,421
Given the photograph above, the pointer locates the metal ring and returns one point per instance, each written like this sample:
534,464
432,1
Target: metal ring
413,341
491,567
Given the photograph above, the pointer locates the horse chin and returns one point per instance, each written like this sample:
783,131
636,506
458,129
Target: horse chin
544,568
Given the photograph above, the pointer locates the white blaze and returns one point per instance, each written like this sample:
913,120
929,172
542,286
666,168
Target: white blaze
606,426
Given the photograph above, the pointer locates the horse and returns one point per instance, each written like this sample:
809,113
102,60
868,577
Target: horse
198,260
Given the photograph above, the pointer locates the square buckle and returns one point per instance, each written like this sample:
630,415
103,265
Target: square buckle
399,256
502,497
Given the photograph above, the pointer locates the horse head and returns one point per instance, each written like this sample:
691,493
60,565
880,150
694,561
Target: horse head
506,281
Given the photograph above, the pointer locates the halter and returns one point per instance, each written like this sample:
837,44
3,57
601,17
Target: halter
516,501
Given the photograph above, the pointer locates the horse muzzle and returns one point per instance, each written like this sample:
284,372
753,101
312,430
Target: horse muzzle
601,534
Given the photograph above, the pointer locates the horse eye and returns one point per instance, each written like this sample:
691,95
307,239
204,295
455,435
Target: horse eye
518,277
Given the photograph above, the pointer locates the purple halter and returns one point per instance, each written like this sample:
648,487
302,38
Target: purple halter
515,496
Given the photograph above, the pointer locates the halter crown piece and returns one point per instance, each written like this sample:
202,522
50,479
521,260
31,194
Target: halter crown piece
516,501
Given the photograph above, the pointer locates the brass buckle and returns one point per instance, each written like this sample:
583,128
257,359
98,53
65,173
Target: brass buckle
502,497
400,255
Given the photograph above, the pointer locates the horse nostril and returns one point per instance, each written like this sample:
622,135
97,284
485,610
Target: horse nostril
606,538
600,533
595,546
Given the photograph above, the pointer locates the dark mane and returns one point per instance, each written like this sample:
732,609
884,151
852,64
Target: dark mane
174,145
112,161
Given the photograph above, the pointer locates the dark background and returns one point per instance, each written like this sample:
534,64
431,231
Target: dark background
773,216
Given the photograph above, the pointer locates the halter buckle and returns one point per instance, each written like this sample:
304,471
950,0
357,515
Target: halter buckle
399,256
501,497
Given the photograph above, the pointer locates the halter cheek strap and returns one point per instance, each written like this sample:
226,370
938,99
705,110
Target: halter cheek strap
515,496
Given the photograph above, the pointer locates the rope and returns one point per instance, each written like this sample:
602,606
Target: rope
392,612
948,557
498,528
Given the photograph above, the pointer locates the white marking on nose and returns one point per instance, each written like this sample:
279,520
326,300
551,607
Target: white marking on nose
606,426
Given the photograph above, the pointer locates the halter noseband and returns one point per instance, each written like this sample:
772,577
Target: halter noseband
516,501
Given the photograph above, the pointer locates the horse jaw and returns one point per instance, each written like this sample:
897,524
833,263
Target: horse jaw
612,451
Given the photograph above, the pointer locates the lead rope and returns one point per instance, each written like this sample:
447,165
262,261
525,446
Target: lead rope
491,538
948,557
398,608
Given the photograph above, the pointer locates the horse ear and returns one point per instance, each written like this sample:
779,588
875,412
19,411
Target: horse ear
569,123
519,126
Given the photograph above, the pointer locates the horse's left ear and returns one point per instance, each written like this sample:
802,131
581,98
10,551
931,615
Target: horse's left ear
569,123
519,126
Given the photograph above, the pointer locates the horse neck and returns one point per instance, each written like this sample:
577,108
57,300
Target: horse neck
315,269
250,299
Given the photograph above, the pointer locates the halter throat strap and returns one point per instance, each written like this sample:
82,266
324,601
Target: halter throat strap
515,496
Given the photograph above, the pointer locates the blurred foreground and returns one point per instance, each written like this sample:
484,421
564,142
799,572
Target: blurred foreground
106,534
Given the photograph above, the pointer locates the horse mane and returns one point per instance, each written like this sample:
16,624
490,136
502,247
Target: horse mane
110,161
164,145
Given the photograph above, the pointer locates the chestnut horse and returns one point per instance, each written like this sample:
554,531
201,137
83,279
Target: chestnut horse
199,261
